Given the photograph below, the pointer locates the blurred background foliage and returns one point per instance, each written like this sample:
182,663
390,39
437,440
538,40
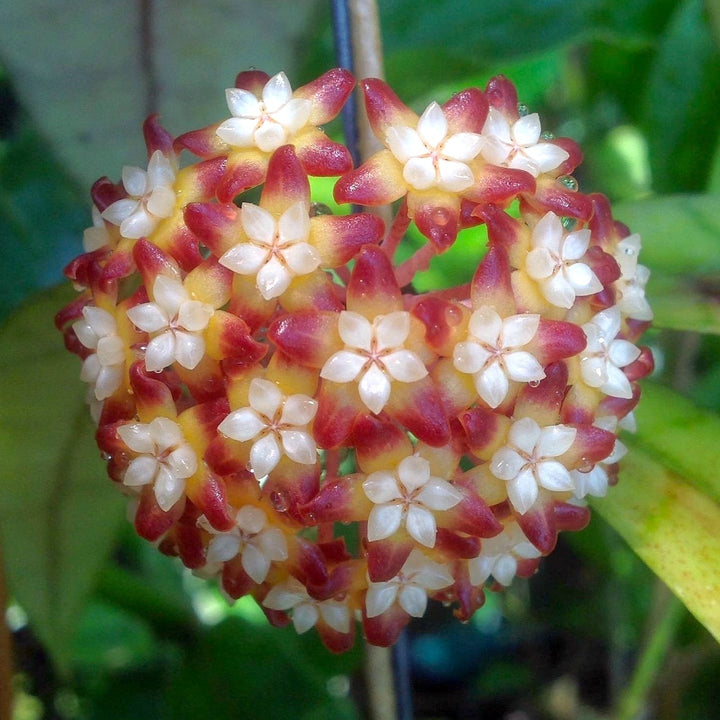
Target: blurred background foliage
105,627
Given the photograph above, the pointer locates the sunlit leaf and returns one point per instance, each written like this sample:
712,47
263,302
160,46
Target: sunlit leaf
58,511
673,527
118,62
681,436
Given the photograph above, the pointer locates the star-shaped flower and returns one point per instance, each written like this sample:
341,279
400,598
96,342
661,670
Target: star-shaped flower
374,355
103,368
409,588
266,122
409,494
432,156
500,554
292,595
492,356
276,424
606,354
96,236
595,481
518,145
631,284
277,250
151,197
259,543
164,459
527,461
175,320
553,262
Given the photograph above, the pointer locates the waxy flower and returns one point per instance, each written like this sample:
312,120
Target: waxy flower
150,197
176,322
258,543
104,367
164,459
606,354
492,354
518,145
275,424
408,496
374,356
294,415
554,262
528,461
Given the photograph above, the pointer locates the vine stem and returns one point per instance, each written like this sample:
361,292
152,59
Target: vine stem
6,669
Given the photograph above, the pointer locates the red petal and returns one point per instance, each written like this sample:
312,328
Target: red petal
491,283
151,521
485,430
419,408
153,397
320,156
205,142
338,406
603,265
286,182
152,261
571,517
341,500
457,546
316,290
308,338
328,94
252,80
378,444
291,485
472,516
338,238
245,169
385,558
495,184
574,152
445,323
384,630
466,111
542,402
157,137
502,94
378,181
216,225
189,545
556,339
210,497
538,524
591,445
437,217
235,581
384,108
105,193
551,194
372,289
334,641
642,367
228,336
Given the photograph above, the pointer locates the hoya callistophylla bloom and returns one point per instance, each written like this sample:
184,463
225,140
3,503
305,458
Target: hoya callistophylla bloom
262,374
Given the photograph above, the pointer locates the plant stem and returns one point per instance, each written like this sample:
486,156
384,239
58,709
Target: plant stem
651,661
6,669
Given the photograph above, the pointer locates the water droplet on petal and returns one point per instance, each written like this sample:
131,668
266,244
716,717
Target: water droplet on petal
569,223
534,383
453,316
279,500
523,109
440,216
585,465
569,182
547,135
317,208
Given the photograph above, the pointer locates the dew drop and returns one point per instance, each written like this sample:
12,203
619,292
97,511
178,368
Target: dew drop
453,316
569,223
547,135
534,383
569,182
522,109
279,500
317,208
440,216
107,457
585,465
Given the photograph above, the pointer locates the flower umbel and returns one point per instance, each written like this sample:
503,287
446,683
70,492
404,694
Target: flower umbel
264,374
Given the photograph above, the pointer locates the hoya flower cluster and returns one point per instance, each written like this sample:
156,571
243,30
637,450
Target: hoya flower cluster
290,415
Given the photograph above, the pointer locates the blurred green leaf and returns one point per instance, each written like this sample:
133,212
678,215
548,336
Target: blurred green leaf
240,670
673,527
58,512
680,435
117,63
681,107
679,302
680,233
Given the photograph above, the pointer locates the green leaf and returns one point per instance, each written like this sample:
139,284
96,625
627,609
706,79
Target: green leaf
679,303
680,109
673,527
680,233
680,435
58,511
105,66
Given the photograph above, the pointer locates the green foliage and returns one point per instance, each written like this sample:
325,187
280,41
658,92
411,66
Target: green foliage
634,82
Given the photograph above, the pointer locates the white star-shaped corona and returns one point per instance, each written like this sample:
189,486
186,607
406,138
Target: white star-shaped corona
553,262
276,424
176,321
258,543
409,588
104,368
278,249
291,595
265,123
527,461
630,286
96,236
374,355
165,459
492,355
431,157
411,495
151,197
499,556
518,145
605,354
